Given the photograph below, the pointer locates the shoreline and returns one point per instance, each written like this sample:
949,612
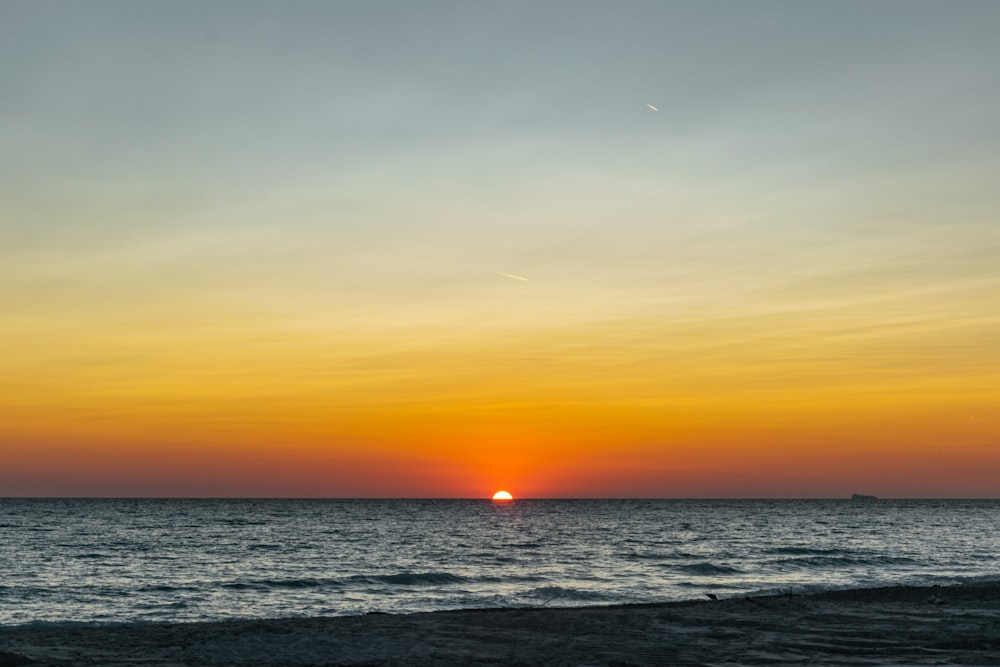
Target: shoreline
912,625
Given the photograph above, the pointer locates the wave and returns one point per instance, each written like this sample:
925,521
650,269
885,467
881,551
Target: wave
396,579
414,578
59,625
515,578
832,562
165,588
709,569
655,555
701,585
264,584
806,551
402,579
563,593
30,592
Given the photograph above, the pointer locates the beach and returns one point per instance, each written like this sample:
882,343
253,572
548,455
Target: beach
941,625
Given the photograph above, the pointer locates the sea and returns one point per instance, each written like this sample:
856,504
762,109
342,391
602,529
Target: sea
97,561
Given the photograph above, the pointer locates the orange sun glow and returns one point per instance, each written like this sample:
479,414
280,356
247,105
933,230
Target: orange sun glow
502,496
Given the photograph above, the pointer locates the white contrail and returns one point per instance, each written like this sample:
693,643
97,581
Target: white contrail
499,273
652,107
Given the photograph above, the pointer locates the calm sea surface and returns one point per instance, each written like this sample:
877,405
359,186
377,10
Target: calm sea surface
191,560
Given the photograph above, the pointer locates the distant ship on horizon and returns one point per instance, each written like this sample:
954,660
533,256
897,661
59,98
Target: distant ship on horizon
861,496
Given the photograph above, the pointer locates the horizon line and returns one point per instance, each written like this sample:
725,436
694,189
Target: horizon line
489,499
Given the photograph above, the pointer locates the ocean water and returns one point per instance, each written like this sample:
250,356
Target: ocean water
98,561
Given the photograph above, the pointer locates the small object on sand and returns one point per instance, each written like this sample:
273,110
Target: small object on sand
711,596
935,599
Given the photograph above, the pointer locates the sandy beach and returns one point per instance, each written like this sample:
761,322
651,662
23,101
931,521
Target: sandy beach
957,625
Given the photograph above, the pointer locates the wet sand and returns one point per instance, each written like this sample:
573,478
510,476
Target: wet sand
957,625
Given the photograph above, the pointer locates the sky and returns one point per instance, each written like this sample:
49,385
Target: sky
266,248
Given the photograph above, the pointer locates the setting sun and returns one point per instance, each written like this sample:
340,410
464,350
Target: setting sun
502,496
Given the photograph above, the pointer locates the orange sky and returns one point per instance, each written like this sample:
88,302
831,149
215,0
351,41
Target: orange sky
553,415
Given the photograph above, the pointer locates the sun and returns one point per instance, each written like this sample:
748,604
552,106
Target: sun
502,497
